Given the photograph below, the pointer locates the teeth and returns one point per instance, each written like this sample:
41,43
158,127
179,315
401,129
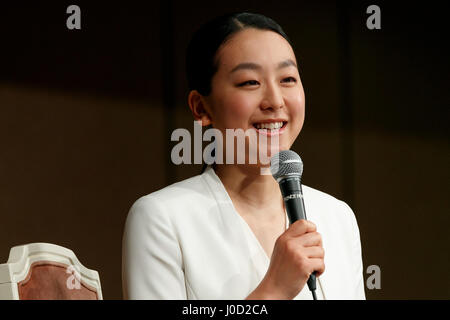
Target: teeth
270,126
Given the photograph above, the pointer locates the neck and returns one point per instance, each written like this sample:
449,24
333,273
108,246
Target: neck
246,184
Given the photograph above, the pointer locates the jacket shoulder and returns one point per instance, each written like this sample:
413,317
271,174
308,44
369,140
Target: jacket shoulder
325,204
317,195
183,195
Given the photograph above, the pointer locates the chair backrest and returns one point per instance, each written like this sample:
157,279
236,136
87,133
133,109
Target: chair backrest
47,271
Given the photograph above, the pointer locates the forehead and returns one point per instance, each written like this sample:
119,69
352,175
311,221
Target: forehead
264,47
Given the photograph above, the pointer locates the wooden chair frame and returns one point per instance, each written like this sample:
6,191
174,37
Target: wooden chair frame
22,259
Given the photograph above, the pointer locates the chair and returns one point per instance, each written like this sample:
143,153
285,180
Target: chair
44,271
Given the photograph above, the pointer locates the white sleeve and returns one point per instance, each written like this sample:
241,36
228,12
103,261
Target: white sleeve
151,255
358,284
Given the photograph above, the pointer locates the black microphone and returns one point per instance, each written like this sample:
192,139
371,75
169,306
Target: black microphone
287,168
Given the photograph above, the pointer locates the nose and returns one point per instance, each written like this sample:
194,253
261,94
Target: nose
273,98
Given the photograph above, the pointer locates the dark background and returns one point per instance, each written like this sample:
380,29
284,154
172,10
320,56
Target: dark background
86,117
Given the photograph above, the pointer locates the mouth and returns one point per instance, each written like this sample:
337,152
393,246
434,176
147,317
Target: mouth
270,127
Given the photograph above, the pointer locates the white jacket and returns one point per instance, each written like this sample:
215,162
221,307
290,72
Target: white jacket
187,241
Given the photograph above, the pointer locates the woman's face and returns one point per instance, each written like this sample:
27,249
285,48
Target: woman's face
257,83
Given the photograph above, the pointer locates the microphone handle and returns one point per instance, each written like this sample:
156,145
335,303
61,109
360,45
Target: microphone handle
295,208
291,189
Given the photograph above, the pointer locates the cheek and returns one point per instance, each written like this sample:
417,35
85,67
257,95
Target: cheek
237,110
296,105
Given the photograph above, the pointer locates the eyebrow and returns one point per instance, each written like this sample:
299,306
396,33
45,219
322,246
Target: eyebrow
255,66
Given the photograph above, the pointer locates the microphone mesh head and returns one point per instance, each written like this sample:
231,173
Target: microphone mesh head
286,163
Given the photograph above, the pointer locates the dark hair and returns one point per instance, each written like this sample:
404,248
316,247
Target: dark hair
201,64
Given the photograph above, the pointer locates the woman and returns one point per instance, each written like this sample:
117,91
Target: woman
224,234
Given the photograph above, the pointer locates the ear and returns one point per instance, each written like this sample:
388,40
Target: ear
199,108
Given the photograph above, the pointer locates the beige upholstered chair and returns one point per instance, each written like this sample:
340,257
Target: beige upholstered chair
39,271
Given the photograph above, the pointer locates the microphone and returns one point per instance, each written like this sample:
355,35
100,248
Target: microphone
287,168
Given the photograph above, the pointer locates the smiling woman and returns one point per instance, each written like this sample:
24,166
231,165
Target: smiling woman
224,234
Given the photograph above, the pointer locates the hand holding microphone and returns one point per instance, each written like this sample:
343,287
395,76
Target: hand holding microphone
298,255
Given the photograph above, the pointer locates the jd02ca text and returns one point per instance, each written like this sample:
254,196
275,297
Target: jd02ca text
245,309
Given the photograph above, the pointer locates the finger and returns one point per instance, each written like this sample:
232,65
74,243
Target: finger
317,265
300,227
314,252
310,239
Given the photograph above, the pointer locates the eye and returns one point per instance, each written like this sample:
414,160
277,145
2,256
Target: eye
290,79
250,82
